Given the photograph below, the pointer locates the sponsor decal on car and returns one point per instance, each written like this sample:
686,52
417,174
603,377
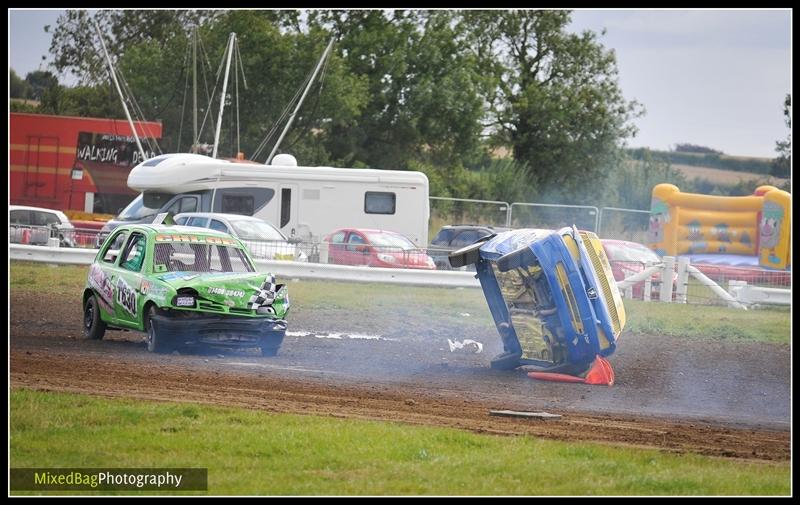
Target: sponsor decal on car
154,291
126,296
196,239
100,282
238,293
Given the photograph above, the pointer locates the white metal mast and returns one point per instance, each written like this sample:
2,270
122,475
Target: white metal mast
119,91
294,113
231,41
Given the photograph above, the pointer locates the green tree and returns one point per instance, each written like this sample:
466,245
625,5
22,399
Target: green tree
421,97
17,87
553,96
39,82
782,165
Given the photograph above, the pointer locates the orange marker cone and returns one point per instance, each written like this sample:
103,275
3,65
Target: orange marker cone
600,373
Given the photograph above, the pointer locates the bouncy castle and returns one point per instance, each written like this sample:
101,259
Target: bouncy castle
756,227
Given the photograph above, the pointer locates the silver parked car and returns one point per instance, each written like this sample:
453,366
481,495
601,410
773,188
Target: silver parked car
262,239
35,225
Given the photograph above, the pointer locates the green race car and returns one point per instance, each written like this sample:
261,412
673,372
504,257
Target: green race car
183,285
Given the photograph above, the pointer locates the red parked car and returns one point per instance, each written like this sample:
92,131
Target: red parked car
375,248
629,258
729,267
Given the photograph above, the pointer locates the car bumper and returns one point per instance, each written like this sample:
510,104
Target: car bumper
230,331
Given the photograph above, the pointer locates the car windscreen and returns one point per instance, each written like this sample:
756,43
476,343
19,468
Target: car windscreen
390,240
247,229
137,210
202,258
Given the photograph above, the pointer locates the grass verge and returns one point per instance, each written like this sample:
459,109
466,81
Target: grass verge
259,453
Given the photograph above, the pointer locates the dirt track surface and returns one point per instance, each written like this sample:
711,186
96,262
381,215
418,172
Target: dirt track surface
710,398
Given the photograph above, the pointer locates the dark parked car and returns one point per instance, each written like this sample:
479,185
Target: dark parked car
452,237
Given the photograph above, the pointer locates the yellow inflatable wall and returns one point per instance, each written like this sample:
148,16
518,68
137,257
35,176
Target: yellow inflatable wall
690,223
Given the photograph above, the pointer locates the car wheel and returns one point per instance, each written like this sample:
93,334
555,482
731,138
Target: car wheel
270,345
506,361
467,255
155,340
93,327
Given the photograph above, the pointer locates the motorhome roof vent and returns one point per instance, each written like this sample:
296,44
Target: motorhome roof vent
285,160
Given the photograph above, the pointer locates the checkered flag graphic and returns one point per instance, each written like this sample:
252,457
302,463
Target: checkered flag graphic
265,294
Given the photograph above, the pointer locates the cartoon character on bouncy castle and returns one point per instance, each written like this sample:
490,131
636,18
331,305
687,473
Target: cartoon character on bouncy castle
722,234
770,228
659,216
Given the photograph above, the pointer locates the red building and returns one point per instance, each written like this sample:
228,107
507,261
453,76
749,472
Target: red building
73,163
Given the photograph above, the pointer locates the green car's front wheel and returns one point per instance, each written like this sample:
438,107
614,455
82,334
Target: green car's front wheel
93,327
155,340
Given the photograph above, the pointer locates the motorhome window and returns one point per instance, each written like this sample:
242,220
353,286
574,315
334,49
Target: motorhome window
376,202
184,204
138,210
244,201
286,205
238,204
154,161
156,200
219,226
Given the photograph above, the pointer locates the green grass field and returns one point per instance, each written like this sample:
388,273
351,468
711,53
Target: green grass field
362,301
260,453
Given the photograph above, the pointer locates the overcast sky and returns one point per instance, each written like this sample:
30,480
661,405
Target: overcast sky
715,78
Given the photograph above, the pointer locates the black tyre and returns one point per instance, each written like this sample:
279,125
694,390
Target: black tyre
467,255
506,361
155,341
270,345
93,327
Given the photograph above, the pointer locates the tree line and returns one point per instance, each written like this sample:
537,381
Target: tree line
497,105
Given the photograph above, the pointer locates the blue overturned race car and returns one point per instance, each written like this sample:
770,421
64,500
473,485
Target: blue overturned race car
552,295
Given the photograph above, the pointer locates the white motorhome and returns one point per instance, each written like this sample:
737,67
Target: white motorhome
303,202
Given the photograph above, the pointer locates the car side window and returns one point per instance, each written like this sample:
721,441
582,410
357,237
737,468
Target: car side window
219,226
40,218
133,256
444,237
465,238
20,217
114,245
337,238
199,222
355,240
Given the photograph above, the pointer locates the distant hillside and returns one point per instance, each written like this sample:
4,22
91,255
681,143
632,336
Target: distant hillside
726,177
753,166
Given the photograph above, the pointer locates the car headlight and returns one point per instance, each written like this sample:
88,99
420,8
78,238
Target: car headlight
387,258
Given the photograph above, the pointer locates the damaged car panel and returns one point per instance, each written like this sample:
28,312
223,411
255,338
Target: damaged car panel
183,286
552,296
